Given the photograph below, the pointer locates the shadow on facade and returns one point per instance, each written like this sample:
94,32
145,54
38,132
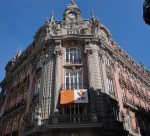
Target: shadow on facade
102,120
143,118
107,112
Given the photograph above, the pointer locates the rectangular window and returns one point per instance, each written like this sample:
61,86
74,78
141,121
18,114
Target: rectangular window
73,56
73,80
107,61
110,86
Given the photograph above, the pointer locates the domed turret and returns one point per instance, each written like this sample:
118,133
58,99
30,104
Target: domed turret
72,12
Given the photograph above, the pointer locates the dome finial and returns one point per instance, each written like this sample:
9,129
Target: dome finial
92,15
72,2
52,17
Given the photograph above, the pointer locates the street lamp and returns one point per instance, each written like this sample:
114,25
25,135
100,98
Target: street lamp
146,11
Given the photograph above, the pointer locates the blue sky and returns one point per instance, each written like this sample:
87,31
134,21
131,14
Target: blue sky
20,19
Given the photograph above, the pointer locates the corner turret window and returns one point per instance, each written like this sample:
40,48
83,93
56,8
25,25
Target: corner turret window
73,56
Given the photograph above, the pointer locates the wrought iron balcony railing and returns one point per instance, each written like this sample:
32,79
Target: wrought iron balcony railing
68,86
73,61
72,119
15,107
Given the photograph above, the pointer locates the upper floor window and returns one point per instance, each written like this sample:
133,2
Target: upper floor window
75,112
14,124
128,122
107,61
37,87
25,94
110,86
39,63
73,55
8,126
73,80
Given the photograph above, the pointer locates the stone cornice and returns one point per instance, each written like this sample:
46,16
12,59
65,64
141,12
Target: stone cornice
28,59
122,60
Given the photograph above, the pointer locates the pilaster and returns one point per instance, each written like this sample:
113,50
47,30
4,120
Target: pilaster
89,52
30,90
58,58
47,81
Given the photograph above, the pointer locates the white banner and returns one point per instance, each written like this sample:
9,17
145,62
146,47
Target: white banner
81,96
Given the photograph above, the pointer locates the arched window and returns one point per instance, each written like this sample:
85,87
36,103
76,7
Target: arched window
73,55
39,63
25,94
14,124
8,126
33,114
37,87
21,120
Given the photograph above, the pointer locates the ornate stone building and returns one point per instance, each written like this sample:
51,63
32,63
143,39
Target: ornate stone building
74,80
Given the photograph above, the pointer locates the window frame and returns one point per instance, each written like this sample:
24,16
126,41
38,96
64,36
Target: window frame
71,59
110,86
74,78
37,86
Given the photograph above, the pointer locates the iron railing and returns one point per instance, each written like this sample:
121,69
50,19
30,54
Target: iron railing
75,119
68,86
73,61
15,107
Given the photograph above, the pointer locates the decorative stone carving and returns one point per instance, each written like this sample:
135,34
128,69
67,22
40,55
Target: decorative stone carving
58,51
88,50
23,124
38,117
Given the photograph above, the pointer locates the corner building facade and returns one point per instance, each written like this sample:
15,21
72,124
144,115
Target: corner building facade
74,80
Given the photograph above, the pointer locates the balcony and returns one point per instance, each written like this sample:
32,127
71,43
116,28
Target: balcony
122,79
130,86
68,86
73,121
73,62
129,103
108,68
15,107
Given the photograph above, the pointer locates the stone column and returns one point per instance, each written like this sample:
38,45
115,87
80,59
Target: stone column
45,96
58,55
89,52
93,63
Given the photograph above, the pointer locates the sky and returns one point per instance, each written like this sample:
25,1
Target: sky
20,19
